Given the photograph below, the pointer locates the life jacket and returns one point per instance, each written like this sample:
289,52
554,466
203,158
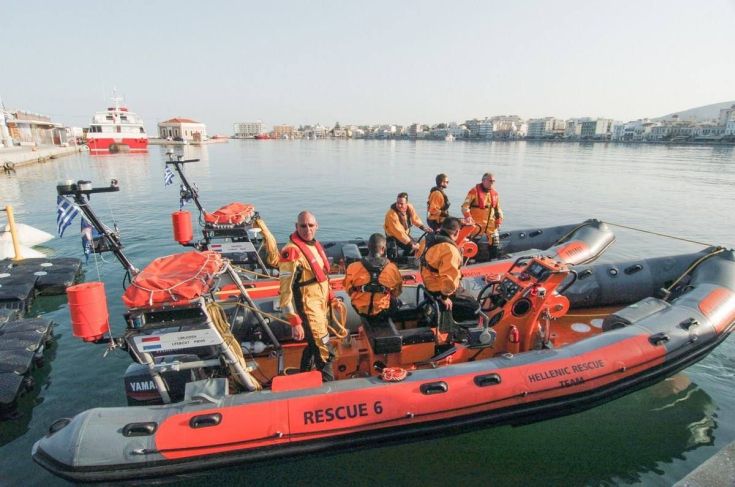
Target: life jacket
481,196
406,218
445,208
320,274
431,240
373,286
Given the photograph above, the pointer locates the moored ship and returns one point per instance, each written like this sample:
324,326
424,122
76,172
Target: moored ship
117,130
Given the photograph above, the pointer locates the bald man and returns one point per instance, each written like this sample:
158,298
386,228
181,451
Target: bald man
305,294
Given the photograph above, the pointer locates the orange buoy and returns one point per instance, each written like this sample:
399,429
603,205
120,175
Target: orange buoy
88,309
183,232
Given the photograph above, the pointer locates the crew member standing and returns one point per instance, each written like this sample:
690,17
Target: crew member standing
398,222
305,294
374,283
440,271
482,205
438,204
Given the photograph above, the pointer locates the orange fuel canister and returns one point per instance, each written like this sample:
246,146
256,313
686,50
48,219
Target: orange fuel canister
88,309
183,232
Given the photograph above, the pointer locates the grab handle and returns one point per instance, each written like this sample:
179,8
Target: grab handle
205,420
487,380
434,388
139,429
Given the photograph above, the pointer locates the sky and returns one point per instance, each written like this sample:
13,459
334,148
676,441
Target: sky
358,62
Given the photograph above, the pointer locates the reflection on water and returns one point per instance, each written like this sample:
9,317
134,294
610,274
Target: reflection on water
654,436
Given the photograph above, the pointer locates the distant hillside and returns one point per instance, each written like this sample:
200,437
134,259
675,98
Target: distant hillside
707,112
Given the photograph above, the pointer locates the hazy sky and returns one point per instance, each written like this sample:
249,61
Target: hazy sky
301,62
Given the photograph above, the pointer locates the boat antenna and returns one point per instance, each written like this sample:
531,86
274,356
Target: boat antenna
80,192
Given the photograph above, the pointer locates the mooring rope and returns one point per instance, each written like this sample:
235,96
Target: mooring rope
659,234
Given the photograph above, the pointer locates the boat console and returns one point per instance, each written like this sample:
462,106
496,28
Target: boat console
517,302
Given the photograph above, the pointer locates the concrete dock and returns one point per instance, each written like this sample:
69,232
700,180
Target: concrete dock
718,471
17,157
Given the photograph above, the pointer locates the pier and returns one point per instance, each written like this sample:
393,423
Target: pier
16,157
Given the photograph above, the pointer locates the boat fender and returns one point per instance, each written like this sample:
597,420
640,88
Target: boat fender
88,310
183,232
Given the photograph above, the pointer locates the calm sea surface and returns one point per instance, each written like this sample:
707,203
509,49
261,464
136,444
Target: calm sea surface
652,437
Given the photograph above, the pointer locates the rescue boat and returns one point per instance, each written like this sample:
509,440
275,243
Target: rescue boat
238,232
215,381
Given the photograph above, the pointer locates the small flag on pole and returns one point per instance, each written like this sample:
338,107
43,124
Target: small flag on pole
65,213
168,177
87,236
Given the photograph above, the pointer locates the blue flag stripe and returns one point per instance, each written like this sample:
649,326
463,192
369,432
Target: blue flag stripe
168,177
65,213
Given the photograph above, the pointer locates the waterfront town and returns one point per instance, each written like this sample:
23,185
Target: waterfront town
24,128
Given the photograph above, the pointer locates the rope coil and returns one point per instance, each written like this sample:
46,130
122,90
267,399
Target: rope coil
393,374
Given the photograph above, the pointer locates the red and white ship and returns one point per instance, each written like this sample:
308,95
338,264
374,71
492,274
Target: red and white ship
117,130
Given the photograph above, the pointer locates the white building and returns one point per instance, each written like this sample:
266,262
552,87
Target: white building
247,130
633,131
479,129
182,129
546,128
600,129
509,127
727,120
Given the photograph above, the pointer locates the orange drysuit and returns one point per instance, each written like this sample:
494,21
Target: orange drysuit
304,292
437,207
440,267
398,225
370,298
484,207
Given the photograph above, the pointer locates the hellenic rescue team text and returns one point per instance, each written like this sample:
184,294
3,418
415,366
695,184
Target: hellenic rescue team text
341,413
563,373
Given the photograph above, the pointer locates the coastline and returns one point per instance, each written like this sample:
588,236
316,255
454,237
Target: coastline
16,157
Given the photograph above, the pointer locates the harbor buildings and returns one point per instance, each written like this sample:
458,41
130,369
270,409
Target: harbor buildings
247,130
546,128
30,129
279,132
184,129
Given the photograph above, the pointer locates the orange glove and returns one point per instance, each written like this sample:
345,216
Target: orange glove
294,320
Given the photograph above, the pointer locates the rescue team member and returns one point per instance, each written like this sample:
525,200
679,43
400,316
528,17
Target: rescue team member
398,222
374,283
438,204
440,271
305,294
482,205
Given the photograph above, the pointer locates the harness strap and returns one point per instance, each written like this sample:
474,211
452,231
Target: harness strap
446,200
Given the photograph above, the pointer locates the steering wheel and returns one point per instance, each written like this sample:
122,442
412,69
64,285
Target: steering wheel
485,296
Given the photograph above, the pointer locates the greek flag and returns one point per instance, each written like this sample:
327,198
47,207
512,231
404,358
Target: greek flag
65,213
87,237
168,177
